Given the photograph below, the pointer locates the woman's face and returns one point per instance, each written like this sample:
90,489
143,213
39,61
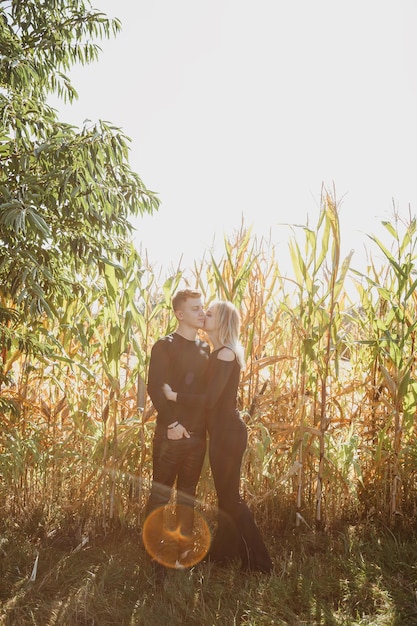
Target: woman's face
210,321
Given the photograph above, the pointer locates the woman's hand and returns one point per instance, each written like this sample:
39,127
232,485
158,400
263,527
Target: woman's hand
169,394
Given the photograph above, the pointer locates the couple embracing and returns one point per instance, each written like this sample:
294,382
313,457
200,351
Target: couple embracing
194,391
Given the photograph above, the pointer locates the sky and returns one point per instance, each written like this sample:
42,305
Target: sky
239,111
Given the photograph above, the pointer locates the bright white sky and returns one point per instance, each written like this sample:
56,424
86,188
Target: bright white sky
243,108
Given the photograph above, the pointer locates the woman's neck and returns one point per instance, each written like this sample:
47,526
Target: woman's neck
215,341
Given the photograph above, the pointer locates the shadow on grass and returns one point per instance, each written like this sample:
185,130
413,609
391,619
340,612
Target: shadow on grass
354,577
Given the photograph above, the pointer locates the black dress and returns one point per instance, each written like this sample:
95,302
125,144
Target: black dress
237,535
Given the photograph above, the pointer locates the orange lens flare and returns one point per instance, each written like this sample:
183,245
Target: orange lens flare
166,541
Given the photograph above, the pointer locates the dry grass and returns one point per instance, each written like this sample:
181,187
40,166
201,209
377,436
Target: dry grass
354,576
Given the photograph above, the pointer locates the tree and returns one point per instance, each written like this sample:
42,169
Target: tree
66,194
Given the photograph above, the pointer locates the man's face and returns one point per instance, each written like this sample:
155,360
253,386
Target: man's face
191,313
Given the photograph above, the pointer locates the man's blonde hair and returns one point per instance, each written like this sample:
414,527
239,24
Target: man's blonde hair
182,296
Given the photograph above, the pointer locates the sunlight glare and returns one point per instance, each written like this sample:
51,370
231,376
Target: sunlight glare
166,543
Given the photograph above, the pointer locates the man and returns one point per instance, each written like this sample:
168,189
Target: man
180,360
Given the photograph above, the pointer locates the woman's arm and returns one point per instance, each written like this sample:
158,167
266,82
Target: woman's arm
188,399
169,394
219,372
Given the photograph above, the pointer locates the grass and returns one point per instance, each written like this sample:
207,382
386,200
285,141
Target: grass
355,576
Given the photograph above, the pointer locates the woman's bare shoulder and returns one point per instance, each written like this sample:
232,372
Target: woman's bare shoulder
226,354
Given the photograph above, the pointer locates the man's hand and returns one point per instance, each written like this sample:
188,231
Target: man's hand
177,432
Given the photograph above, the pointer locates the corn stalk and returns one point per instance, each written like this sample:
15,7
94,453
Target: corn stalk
316,320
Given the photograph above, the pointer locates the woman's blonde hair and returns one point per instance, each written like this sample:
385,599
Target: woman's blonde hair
228,327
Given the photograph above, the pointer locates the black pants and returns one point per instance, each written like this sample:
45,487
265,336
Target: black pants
237,535
179,460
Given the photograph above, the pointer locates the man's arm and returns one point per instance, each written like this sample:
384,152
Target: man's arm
159,367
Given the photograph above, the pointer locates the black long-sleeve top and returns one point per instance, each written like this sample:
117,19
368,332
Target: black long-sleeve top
182,363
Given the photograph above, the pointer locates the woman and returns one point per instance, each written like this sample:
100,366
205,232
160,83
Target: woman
237,535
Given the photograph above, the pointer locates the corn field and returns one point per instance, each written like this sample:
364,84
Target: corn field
329,393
